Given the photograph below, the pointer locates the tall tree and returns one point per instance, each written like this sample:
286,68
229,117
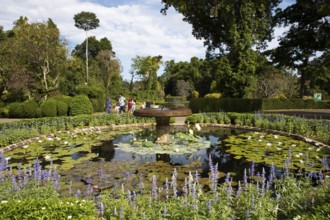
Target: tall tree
39,55
146,68
109,66
86,21
308,35
230,28
319,72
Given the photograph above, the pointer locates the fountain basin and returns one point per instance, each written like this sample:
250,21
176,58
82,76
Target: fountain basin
162,115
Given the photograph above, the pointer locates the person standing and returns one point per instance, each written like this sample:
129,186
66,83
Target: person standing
129,104
108,105
133,105
122,103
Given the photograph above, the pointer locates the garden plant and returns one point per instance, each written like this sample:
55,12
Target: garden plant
269,192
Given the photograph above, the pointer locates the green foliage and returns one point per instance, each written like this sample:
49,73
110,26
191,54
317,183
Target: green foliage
14,109
4,112
251,105
213,95
48,208
49,108
63,98
55,107
30,109
308,34
312,128
62,108
79,105
225,104
95,94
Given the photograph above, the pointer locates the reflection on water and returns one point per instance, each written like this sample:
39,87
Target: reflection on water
118,164
108,151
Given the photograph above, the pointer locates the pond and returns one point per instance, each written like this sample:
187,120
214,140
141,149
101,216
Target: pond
126,157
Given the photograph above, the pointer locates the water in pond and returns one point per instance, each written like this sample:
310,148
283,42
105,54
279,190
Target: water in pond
112,158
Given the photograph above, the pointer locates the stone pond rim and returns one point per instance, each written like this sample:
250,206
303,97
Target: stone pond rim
162,115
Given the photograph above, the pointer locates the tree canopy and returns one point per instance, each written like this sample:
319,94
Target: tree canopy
86,21
232,29
308,34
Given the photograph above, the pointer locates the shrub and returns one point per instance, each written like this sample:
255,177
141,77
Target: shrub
63,98
62,108
14,110
80,104
213,95
194,94
30,109
4,111
49,108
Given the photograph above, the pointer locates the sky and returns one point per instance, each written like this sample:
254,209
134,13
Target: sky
134,27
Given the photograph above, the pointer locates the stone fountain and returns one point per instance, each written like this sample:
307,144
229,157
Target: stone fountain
162,116
173,108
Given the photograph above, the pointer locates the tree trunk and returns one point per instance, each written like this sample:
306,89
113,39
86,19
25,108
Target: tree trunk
86,58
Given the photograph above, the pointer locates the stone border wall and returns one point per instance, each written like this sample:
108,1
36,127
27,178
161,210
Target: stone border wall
102,128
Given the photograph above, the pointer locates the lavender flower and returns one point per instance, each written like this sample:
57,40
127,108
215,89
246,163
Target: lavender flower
325,163
122,212
263,181
129,197
196,177
227,178
252,169
173,183
164,212
166,187
141,184
154,187
100,173
209,205
14,182
78,193
245,179
239,190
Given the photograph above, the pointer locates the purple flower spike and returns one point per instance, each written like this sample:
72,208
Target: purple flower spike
252,169
154,187
78,193
245,179
325,163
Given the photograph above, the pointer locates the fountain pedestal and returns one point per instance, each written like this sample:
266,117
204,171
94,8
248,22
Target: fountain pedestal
162,115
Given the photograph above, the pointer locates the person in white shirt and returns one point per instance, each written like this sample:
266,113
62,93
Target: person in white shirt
122,103
133,105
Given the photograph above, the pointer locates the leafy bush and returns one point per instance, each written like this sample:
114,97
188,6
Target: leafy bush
49,108
63,98
30,109
14,110
213,95
62,108
4,112
79,105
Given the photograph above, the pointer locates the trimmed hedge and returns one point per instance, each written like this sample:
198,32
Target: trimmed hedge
27,109
252,105
48,108
79,105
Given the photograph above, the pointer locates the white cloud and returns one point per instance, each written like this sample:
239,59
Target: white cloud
134,28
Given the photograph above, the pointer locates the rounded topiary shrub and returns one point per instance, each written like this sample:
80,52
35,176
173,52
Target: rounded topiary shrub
80,104
30,109
63,98
14,110
62,108
49,108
